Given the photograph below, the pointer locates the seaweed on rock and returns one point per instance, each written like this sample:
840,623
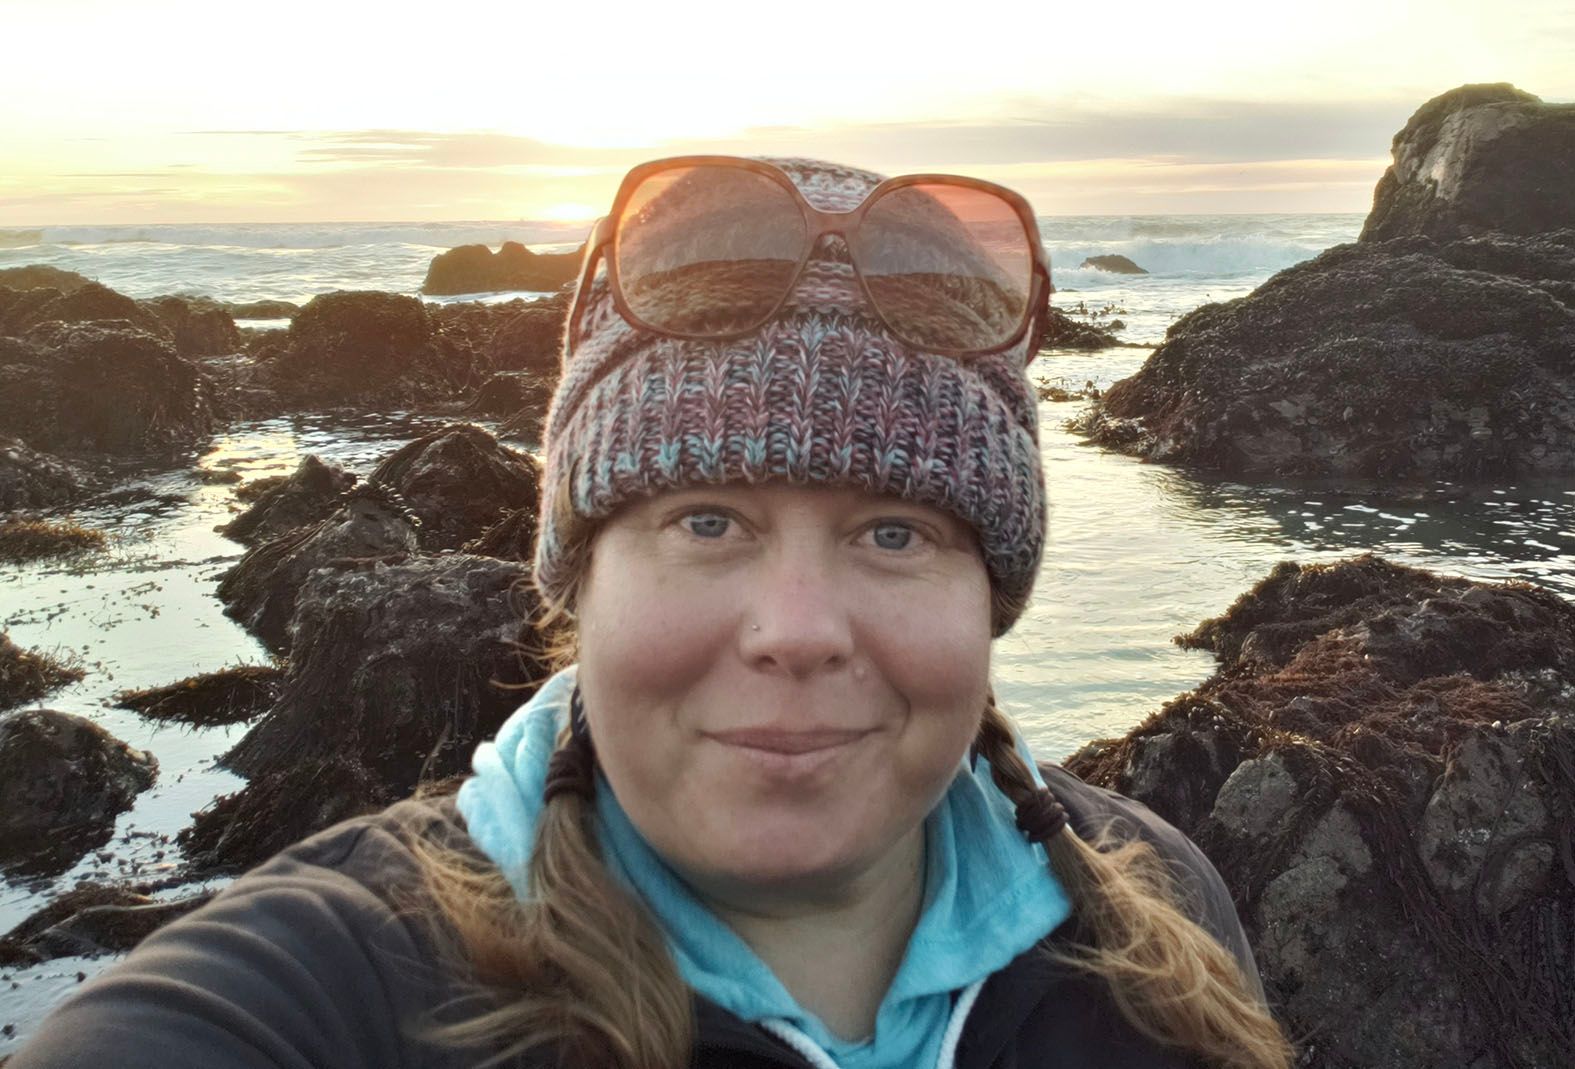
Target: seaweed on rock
27,675
228,696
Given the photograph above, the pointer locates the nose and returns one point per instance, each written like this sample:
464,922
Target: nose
797,620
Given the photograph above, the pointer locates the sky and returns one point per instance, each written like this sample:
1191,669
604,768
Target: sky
177,111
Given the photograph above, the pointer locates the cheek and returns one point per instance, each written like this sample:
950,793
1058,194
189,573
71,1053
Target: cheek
645,634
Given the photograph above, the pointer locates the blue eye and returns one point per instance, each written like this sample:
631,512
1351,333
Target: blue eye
891,535
707,524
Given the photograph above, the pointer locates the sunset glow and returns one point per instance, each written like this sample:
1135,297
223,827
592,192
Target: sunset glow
179,111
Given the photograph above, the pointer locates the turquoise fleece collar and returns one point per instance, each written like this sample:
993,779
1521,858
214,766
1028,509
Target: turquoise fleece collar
989,895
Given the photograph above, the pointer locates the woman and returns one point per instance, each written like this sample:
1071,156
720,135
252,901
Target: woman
770,814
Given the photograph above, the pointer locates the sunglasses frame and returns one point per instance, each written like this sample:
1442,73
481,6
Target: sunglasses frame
817,224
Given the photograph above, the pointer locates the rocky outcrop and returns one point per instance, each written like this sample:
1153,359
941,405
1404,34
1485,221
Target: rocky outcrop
1114,263
477,269
363,346
1402,359
197,329
90,303
459,481
41,276
1432,356
398,670
1476,159
228,696
27,675
63,780
1061,331
1383,770
33,480
101,387
532,339
308,494
258,309
372,522
509,392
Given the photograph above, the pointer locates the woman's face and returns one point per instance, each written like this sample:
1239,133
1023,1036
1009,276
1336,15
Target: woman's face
782,681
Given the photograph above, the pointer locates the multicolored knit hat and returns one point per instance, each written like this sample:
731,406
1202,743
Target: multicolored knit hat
821,394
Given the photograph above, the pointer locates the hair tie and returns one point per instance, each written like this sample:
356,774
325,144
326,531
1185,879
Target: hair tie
572,767
1040,816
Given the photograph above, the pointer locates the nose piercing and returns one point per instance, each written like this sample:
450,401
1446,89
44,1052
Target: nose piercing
754,627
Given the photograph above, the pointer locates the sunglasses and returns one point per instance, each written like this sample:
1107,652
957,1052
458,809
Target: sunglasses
711,247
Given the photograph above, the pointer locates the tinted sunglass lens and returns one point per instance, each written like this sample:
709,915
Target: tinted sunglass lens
948,266
707,249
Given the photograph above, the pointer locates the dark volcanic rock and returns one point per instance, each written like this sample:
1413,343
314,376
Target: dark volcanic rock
1383,769
366,346
41,276
63,780
460,482
27,675
101,387
1402,359
477,269
260,590
532,340
306,495
91,303
1115,264
507,392
198,329
1476,159
34,480
398,670
92,920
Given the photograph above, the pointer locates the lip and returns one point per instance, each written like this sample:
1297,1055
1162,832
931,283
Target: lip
789,743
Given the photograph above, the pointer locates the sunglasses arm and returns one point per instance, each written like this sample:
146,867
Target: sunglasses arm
601,234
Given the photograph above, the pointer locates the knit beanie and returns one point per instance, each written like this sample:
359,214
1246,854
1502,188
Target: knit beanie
822,394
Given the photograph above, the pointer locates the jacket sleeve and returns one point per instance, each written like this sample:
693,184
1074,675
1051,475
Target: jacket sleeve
296,964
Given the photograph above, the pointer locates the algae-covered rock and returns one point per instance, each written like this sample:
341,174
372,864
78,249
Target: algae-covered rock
27,675
460,481
477,269
308,494
1383,770
63,780
33,480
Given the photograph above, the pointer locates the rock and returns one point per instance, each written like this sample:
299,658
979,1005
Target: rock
508,392
372,522
276,810
34,480
27,675
29,540
41,276
1115,264
363,346
1061,331
102,387
91,303
399,669
532,339
1262,386
477,269
460,481
259,309
310,493
92,920
511,538
1396,813
228,696
1478,158
63,780
197,330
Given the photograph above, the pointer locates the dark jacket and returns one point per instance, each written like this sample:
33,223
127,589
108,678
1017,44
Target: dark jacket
310,960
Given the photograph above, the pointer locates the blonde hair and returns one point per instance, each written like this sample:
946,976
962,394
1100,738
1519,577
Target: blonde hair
582,967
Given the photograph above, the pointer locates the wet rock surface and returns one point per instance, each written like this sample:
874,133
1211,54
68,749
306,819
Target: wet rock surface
63,780
371,522
397,671
1476,159
531,339
459,481
1383,769
1403,359
92,920
477,269
27,675
308,494
30,479
100,387
1440,354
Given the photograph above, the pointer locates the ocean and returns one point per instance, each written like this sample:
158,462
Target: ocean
1136,552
